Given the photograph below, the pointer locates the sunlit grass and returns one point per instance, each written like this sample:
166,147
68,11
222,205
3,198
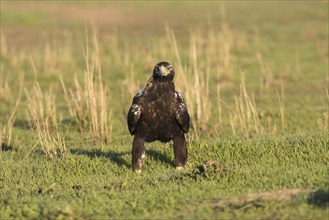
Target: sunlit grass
254,78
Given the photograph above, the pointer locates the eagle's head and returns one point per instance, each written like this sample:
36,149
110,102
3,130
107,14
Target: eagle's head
163,70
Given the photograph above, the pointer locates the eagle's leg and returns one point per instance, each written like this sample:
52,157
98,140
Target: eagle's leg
180,151
138,153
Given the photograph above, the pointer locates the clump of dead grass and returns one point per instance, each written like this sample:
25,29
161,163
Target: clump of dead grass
41,108
266,74
323,122
88,101
281,107
42,117
130,88
244,116
6,133
195,87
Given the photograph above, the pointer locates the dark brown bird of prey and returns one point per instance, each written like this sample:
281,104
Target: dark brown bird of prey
158,112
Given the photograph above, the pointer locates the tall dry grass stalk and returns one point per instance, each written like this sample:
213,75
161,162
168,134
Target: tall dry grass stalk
3,44
131,85
53,56
219,106
182,76
195,86
130,88
41,108
266,75
88,103
42,117
323,122
199,88
53,145
5,91
244,116
281,106
6,131
208,48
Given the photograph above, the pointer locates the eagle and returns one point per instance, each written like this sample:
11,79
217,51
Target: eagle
158,113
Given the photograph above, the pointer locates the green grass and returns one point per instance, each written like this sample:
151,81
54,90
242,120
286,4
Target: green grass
96,181
90,183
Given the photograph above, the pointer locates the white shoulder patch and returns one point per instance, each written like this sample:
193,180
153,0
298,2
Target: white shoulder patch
140,93
179,96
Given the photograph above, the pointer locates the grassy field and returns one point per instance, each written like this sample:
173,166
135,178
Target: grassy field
255,79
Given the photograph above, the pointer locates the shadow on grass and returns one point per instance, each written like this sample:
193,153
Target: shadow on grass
159,156
319,198
23,124
69,122
116,157
6,147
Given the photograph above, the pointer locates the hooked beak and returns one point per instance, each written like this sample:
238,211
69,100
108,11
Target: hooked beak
163,71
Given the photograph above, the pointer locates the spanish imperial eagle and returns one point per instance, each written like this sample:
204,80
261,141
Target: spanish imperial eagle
158,112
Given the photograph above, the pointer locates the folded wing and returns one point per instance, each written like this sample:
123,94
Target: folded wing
182,116
134,113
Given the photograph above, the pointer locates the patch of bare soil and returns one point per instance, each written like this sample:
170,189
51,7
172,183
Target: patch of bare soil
256,199
284,195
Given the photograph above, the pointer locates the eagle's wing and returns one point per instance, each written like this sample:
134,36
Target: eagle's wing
134,113
182,116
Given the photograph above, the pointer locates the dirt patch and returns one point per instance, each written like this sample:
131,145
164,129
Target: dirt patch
255,199
280,195
209,169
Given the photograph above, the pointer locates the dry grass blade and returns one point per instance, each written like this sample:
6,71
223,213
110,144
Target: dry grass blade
207,48
281,103
323,122
5,92
172,40
219,106
197,91
130,88
266,75
41,108
41,114
88,103
181,82
244,117
52,146
196,87
6,132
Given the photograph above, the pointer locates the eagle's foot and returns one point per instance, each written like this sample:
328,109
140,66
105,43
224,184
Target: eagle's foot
138,165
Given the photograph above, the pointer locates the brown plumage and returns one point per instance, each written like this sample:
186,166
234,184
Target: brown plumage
158,112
